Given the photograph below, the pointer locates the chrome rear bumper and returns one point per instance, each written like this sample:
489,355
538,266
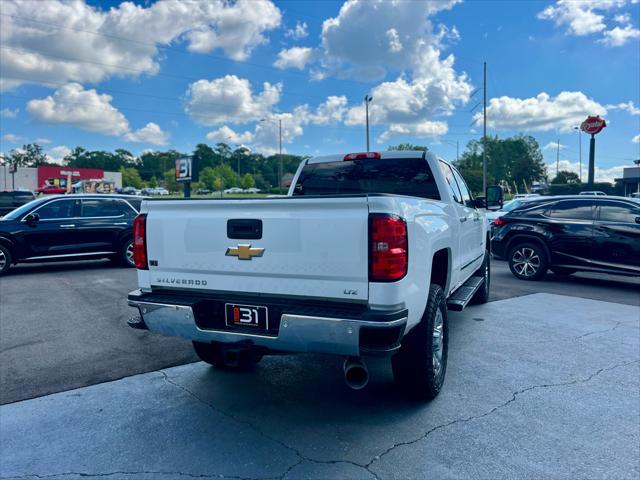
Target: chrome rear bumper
297,333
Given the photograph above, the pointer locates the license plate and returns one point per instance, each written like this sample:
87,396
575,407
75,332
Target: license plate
246,316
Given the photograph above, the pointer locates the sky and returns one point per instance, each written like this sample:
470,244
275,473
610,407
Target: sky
171,74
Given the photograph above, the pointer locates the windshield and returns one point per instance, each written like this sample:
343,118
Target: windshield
512,205
18,212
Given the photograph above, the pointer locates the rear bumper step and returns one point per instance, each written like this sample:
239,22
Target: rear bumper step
463,295
296,332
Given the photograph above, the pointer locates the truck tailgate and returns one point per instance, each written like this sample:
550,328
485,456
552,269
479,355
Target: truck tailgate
313,247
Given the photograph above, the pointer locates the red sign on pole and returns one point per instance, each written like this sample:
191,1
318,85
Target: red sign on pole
593,125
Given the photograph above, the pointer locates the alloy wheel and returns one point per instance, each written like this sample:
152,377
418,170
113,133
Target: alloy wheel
437,344
3,260
129,254
526,262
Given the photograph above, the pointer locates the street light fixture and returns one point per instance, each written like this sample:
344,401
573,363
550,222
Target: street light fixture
281,172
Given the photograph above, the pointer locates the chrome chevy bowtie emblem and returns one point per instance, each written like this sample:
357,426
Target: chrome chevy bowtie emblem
244,251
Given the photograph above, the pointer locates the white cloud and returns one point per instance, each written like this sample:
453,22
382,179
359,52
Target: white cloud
636,139
623,18
553,146
601,174
127,37
228,135
229,99
628,107
8,113
85,109
150,133
295,57
331,111
540,113
420,129
57,154
617,37
12,138
300,31
42,141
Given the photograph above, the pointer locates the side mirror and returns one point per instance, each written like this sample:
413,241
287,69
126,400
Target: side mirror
480,202
31,218
494,197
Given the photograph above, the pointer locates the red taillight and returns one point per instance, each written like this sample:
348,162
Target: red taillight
498,222
361,156
388,248
140,242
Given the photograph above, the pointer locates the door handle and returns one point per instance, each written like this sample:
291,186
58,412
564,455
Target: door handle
120,223
70,225
463,219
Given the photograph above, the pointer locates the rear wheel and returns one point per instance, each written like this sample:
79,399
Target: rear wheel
5,259
482,295
126,254
224,358
528,261
420,365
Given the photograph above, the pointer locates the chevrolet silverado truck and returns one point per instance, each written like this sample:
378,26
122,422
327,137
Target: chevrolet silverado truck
364,256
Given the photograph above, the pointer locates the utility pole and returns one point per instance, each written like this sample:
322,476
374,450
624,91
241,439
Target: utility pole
557,157
281,169
367,99
580,150
484,136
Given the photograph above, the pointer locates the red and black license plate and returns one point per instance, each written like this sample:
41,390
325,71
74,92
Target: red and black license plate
246,316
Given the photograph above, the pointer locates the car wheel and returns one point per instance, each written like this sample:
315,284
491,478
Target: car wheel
214,354
126,254
528,261
563,272
482,295
5,259
420,365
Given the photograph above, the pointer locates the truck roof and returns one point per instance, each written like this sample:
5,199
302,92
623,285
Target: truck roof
400,154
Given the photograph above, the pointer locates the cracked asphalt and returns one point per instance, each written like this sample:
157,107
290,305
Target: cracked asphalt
538,386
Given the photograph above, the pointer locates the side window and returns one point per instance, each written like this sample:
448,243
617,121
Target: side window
135,203
105,208
57,209
618,212
466,193
451,182
572,210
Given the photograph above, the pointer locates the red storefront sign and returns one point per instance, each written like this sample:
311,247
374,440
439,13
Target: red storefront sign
58,175
593,125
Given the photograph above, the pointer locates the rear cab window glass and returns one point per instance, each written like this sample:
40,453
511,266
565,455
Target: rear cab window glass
451,181
466,193
572,210
410,176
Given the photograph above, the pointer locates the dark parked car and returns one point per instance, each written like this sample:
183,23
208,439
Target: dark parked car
569,234
13,199
69,227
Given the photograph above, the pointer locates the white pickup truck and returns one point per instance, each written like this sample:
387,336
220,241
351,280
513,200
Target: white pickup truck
363,257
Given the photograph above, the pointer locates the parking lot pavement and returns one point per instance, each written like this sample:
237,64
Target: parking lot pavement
63,326
539,386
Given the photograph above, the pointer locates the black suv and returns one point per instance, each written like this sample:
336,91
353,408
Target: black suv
570,233
69,227
10,200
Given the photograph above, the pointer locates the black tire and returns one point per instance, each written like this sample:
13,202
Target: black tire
5,259
126,254
415,369
563,272
213,354
482,295
528,261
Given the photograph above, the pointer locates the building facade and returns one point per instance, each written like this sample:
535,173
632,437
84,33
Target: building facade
33,178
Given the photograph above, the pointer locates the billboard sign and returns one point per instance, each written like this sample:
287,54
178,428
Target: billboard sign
593,125
183,169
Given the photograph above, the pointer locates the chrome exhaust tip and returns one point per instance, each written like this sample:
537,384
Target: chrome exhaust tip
356,374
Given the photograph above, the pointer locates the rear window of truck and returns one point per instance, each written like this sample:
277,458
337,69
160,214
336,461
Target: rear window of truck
410,176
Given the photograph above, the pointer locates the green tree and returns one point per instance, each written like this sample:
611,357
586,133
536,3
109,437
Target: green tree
408,146
155,164
207,178
218,184
131,177
153,182
247,181
30,155
565,177
170,182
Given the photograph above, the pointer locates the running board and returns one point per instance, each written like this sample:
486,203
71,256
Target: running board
463,295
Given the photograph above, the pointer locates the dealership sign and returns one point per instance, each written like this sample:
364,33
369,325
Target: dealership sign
593,125
183,169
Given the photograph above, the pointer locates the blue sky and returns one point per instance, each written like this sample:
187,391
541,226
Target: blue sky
159,75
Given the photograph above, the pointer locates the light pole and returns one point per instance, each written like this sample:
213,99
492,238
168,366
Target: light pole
281,172
367,100
579,148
